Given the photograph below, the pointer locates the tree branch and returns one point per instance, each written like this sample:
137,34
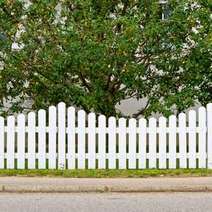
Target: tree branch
140,112
84,82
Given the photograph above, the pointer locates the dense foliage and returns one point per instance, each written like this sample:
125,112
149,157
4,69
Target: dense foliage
96,53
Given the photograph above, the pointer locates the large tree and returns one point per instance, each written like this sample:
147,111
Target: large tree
96,53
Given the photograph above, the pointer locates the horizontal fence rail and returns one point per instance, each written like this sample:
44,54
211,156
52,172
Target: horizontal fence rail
62,138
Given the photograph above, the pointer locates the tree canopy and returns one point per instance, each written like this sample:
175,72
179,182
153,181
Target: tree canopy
96,53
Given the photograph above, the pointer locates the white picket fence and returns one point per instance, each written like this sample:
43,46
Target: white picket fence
66,139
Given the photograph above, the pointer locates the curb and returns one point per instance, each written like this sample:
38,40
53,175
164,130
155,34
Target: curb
86,185
98,189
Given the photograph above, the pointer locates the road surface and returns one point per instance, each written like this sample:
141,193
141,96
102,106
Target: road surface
106,202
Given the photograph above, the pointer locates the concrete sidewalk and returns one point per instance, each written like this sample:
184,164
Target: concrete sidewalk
69,185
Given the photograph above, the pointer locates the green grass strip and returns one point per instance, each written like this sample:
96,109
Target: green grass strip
107,173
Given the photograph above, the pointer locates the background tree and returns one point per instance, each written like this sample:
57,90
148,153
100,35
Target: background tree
96,53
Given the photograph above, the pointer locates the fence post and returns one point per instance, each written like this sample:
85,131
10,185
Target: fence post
209,135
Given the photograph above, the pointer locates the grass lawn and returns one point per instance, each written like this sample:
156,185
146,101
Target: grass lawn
108,173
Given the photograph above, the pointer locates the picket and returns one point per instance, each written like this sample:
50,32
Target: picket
132,144
182,141
172,142
192,139
122,144
112,143
31,141
94,143
41,139
202,137
2,142
162,143
91,141
11,142
209,135
61,135
71,138
21,141
142,137
52,138
81,139
102,142
152,143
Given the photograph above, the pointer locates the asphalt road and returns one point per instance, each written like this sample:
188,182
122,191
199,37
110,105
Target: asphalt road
106,202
